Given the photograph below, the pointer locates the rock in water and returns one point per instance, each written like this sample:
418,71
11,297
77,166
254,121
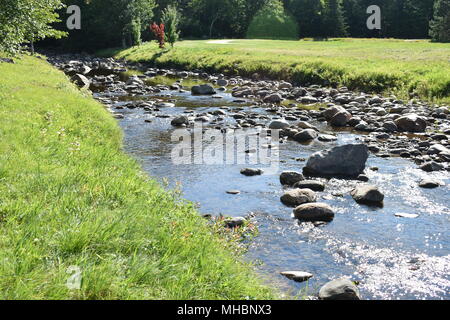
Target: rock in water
289,178
343,161
273,98
235,222
297,197
314,212
340,289
222,82
164,105
251,172
298,276
437,149
310,184
81,81
180,121
279,125
332,111
367,194
306,135
204,89
363,177
327,138
411,123
284,85
429,184
432,166
340,119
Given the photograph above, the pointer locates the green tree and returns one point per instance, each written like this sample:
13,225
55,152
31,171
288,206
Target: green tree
216,17
272,22
309,16
440,25
27,21
110,23
136,17
171,19
334,19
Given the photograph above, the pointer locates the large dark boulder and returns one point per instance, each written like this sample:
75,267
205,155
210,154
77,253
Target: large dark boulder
180,121
289,178
314,212
204,89
411,123
343,161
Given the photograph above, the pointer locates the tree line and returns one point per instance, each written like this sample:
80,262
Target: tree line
114,23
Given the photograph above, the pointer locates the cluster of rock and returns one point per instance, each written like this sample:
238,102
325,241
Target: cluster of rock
347,161
384,119
344,161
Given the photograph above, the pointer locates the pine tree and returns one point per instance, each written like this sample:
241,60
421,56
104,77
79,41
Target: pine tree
171,18
440,25
334,19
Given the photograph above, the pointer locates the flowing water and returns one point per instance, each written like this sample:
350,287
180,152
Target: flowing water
391,257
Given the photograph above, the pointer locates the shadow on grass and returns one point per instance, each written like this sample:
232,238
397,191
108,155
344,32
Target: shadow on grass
157,55
113,52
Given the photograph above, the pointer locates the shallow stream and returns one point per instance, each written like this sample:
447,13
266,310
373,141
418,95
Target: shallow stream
391,257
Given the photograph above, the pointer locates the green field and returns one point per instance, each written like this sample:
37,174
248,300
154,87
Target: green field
400,67
70,197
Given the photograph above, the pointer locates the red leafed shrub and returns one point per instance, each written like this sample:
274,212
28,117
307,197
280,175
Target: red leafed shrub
158,31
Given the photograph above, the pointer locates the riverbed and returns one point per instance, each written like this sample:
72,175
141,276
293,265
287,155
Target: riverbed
391,257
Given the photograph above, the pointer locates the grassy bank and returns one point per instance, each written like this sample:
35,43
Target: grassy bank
384,66
70,197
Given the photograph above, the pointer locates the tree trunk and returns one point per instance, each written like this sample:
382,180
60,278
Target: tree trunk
212,25
32,47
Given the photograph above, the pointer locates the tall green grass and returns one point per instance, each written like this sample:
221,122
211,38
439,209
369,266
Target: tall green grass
401,67
69,196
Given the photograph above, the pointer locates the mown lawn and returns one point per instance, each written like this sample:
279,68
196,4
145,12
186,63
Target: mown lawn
70,197
382,66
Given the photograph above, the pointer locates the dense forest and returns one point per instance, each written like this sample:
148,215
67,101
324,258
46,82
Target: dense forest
122,23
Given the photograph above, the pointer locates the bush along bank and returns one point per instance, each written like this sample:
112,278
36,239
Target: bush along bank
73,206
